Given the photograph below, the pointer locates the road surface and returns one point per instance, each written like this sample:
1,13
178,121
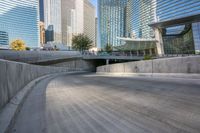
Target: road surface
89,103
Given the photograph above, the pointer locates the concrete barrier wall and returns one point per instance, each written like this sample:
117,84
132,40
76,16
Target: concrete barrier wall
86,65
14,76
166,65
37,56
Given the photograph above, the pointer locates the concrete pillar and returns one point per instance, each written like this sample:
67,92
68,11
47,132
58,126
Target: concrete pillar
150,51
144,52
159,43
107,61
137,52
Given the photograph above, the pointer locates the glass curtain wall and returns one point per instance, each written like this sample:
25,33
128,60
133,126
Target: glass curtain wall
4,40
178,40
111,21
173,9
20,19
142,13
196,36
52,16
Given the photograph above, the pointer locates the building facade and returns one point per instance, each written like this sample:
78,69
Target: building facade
68,15
42,34
196,36
139,36
4,39
69,18
41,7
96,32
182,38
141,13
49,34
112,21
52,17
89,21
20,19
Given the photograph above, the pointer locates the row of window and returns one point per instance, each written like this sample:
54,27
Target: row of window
20,19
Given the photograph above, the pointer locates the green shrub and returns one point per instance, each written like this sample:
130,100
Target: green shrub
147,57
28,49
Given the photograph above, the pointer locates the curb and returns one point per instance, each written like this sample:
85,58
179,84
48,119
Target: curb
156,75
9,112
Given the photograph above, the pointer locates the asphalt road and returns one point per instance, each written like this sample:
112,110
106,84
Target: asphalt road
88,103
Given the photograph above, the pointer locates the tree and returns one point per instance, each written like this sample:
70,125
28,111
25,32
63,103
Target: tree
108,48
18,45
81,42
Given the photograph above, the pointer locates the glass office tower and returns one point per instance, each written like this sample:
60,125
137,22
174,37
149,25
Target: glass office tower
172,9
141,13
41,4
184,38
20,19
4,40
111,21
139,37
52,16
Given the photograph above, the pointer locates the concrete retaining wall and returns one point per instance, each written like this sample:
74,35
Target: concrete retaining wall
86,65
37,56
167,65
14,76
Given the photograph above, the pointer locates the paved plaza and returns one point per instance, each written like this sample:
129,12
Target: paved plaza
89,103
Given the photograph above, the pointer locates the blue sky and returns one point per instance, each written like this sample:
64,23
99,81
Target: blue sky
94,2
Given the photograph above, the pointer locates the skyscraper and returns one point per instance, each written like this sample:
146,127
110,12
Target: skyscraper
112,21
171,25
41,7
52,17
49,34
68,18
68,15
42,33
139,36
140,14
4,39
89,20
20,19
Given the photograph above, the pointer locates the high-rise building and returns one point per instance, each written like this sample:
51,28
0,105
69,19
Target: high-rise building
52,16
68,15
69,18
42,34
89,21
20,19
141,13
170,26
4,39
96,32
112,21
49,34
41,7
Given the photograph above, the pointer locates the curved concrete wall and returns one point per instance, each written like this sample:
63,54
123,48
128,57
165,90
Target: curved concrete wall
166,65
87,65
37,56
14,76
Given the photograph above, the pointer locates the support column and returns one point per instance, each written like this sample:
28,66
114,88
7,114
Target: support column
137,52
107,61
144,52
159,43
150,52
